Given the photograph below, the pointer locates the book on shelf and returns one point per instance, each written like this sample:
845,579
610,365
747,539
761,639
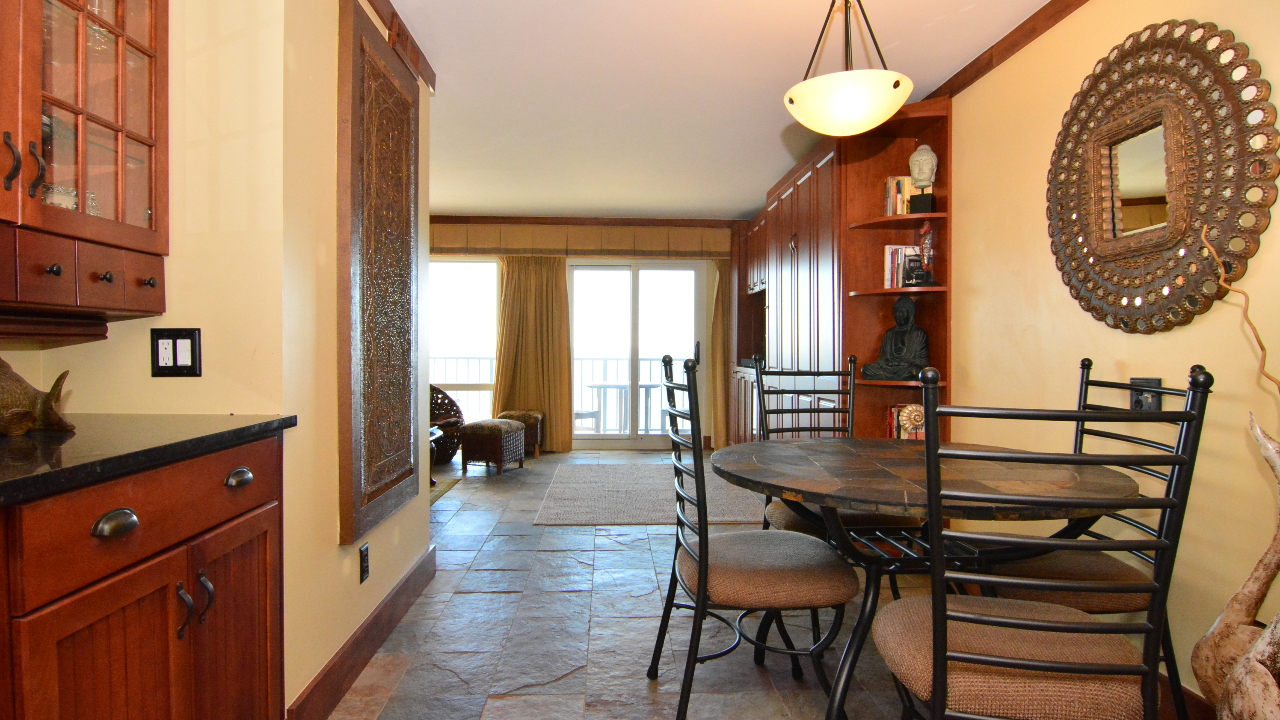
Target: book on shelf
895,261
905,422
898,192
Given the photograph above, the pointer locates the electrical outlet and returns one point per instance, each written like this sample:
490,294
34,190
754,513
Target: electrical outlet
364,562
1139,400
175,352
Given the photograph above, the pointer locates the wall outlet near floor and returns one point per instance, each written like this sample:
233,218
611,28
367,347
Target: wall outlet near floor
175,352
364,562
1139,400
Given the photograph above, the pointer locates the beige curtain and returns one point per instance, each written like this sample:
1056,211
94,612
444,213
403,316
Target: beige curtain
534,365
718,369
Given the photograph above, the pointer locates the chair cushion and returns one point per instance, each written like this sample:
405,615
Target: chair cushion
903,633
781,517
448,423
1078,565
492,427
528,417
772,570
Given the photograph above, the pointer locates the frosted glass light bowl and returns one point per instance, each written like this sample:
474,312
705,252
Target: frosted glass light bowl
848,102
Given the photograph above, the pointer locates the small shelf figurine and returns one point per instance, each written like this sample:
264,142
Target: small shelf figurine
23,407
924,170
918,269
904,351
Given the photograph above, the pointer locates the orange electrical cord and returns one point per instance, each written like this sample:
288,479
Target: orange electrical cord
1222,278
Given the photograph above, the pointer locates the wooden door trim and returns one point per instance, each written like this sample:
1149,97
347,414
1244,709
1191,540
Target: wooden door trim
1040,22
331,684
587,221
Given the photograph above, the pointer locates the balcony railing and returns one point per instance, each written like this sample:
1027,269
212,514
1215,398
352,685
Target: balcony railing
601,391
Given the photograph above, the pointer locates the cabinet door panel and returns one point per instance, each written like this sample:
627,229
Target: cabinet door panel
100,276
804,229
10,137
775,244
237,634
826,276
46,269
785,299
110,651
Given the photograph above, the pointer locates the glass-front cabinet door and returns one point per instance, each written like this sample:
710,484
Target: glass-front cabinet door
94,120
10,135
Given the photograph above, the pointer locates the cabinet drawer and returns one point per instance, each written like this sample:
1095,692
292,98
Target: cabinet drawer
100,275
46,269
54,552
144,283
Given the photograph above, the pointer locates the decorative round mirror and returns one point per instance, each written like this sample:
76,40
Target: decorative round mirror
1171,139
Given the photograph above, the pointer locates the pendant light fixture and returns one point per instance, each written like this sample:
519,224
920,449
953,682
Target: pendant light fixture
852,101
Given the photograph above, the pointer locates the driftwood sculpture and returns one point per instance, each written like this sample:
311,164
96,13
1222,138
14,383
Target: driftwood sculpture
1234,634
1250,691
23,408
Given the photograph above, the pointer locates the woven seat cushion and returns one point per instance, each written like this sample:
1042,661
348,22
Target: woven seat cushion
903,634
492,427
528,417
1078,565
772,570
781,517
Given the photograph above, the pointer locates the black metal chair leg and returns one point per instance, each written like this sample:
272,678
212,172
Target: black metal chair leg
796,671
813,623
904,697
662,626
893,586
862,628
691,661
1175,681
762,635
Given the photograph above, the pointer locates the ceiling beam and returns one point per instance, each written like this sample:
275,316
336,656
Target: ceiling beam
1050,14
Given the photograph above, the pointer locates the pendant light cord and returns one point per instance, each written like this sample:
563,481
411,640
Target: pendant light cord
848,35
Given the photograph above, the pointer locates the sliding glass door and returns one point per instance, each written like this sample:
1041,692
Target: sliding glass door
625,318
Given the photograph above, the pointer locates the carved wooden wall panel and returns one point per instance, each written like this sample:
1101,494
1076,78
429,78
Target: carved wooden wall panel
378,267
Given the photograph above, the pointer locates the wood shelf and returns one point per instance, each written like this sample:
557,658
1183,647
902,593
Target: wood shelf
898,222
895,383
899,291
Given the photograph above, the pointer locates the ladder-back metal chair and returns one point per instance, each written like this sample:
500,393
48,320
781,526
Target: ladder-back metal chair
751,571
1096,565
982,657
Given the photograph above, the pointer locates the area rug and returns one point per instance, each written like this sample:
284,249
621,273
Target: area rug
636,495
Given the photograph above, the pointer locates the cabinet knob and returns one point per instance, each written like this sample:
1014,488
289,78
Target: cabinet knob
107,277
239,477
150,282
54,270
116,523
16,167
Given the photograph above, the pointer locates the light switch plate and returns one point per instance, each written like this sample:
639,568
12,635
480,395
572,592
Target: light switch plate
175,352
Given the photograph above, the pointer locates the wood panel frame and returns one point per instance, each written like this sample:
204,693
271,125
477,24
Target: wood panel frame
361,509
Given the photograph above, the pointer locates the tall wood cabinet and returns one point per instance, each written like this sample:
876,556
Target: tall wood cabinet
84,159
156,595
822,281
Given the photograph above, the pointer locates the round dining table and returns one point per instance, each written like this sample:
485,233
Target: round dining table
887,477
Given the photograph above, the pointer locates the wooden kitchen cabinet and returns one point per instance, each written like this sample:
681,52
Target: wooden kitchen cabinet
104,626
83,158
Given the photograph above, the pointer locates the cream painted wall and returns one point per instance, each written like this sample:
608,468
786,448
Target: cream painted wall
253,201
1018,336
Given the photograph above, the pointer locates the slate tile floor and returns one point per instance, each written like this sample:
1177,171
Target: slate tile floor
526,621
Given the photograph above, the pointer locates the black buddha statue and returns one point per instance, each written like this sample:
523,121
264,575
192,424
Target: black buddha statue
904,352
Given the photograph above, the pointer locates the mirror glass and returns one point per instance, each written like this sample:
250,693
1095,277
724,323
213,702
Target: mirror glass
1138,167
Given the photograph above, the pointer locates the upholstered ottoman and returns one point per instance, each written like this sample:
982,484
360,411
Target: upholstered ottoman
497,442
532,420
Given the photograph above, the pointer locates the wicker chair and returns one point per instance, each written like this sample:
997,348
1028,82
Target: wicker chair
447,416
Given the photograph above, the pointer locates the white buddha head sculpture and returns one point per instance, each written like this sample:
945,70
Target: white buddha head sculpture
924,166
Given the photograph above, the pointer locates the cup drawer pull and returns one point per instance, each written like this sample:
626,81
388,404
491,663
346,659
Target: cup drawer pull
239,477
116,523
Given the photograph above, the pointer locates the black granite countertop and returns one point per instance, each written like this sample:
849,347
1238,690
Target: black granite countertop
108,446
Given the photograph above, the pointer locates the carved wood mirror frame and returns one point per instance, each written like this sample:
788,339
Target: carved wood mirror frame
1220,166
378,106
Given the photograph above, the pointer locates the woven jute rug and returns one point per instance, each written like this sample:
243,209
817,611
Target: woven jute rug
636,495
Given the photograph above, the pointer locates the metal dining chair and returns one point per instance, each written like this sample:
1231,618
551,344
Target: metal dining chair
978,657
752,571
1096,565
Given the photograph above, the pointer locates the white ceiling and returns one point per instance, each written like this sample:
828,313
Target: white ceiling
663,108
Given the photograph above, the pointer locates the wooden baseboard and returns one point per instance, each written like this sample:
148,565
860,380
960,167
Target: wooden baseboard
327,689
1197,707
